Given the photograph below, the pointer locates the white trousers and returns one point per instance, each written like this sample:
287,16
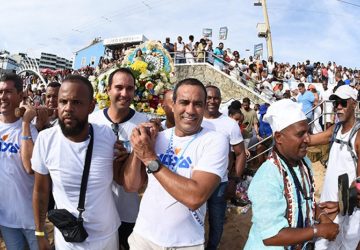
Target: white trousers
110,243
137,242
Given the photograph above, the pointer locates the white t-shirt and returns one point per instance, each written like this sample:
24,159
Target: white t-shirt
127,204
16,185
340,162
64,159
164,220
227,127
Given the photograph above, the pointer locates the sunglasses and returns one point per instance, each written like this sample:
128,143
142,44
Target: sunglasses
342,102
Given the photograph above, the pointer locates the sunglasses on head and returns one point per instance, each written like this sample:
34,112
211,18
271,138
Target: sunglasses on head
342,102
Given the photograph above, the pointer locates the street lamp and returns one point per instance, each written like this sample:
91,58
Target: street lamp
264,28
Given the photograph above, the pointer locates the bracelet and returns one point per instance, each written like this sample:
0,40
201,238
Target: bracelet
315,231
41,234
26,137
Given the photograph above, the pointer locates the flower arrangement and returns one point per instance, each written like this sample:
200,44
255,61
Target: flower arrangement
152,67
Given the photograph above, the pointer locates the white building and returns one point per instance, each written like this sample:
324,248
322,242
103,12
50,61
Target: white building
52,61
7,63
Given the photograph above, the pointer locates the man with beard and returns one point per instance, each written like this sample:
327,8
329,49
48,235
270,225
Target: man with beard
219,122
343,162
122,119
59,153
16,177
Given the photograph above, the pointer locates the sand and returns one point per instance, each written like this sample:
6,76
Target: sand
237,225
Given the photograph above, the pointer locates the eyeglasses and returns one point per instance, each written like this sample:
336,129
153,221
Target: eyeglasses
342,102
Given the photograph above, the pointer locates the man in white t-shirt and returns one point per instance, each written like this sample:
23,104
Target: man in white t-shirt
325,94
16,177
341,164
59,153
189,50
179,48
219,122
184,165
122,119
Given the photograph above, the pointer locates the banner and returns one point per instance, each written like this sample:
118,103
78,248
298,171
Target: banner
258,51
223,33
207,32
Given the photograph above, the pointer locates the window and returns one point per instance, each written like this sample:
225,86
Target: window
83,61
92,61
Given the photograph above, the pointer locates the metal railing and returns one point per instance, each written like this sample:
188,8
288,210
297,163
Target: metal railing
242,76
324,113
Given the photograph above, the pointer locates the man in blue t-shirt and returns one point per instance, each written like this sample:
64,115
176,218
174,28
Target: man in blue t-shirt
218,58
306,98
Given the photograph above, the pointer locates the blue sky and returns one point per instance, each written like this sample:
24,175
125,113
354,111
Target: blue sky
320,30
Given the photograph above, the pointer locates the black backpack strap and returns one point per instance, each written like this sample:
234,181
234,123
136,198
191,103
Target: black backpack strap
348,144
333,137
85,175
353,132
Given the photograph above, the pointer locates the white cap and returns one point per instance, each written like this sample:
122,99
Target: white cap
283,113
344,92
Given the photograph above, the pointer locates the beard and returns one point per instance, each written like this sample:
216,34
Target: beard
73,131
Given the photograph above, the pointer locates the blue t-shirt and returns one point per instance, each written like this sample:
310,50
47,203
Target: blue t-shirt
307,101
218,53
269,206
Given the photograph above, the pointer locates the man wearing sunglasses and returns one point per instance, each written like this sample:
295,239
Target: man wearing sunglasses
341,161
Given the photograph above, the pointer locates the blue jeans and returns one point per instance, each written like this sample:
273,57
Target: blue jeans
216,205
15,238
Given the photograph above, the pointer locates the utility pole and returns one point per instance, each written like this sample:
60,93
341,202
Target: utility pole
264,28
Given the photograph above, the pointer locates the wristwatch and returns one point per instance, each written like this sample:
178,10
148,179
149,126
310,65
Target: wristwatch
153,166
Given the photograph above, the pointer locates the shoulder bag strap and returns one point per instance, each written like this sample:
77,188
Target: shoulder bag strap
85,175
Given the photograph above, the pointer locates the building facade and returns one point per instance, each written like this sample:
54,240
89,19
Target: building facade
89,56
52,61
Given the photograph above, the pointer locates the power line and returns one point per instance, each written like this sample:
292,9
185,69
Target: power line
353,4
307,11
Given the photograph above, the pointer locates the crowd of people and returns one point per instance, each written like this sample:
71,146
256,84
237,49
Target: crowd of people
184,162
190,163
263,75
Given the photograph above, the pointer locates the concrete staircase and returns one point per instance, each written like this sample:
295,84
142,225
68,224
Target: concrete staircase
230,87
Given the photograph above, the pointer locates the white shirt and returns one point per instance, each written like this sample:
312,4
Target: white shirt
227,127
340,162
63,159
164,220
127,204
16,185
